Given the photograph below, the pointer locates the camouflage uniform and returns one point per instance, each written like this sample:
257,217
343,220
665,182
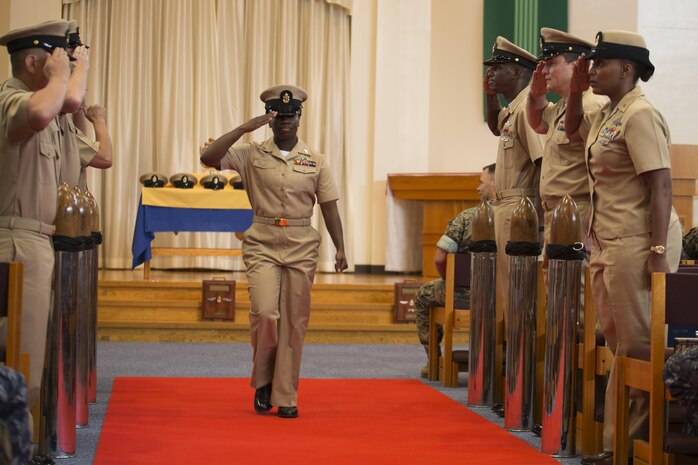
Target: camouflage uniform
15,437
690,244
433,293
681,377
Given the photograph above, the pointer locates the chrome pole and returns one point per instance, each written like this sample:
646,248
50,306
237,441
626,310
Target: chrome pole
482,329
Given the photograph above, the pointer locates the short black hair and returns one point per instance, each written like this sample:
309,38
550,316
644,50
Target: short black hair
489,168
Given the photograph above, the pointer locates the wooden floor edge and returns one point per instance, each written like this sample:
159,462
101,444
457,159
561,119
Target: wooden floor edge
226,325
242,305
238,284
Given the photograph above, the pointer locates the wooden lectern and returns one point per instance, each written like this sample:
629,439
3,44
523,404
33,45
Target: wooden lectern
444,196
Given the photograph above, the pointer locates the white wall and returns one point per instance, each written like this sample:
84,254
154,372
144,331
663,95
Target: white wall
389,112
459,139
20,13
670,28
587,17
359,224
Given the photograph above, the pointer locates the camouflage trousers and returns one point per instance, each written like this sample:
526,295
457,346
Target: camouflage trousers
431,294
15,437
681,377
690,244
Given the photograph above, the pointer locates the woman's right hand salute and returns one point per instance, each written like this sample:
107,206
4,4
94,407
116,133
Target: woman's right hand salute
214,150
258,121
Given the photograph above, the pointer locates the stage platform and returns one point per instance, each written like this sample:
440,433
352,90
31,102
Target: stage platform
347,308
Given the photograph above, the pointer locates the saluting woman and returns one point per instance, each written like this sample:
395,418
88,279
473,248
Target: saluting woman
283,178
634,229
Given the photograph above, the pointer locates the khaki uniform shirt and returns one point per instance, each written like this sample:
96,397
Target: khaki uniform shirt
564,170
519,147
279,187
78,150
623,143
31,167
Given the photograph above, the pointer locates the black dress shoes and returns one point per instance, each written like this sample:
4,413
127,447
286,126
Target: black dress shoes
537,429
498,409
42,460
287,412
262,398
604,458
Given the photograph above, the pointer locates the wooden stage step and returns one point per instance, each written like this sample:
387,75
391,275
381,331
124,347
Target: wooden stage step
343,312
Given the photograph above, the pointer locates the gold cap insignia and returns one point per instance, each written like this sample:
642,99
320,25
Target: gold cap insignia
286,96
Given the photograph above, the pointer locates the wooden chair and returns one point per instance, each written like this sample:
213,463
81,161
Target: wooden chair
594,364
454,315
11,275
673,301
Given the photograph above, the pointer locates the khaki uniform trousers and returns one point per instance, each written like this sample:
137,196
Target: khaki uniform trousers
281,264
35,251
621,289
502,232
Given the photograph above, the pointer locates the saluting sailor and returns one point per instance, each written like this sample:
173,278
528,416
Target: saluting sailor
30,158
283,178
634,229
520,149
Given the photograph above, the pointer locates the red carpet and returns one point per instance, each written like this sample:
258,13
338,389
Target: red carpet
342,422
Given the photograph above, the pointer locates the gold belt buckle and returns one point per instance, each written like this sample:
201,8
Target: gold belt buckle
280,222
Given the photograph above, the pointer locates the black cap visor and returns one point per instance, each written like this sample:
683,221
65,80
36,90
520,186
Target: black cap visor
74,40
292,108
47,43
501,57
550,50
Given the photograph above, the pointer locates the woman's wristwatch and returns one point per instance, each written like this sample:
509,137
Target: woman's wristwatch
658,249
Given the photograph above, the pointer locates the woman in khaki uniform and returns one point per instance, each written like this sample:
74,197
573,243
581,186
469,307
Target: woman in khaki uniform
634,229
283,178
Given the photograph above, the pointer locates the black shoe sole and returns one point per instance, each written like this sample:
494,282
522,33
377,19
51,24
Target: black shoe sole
283,413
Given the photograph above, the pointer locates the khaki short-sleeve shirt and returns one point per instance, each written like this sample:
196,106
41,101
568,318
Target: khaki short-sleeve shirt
564,170
30,167
279,187
624,142
519,147
78,150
